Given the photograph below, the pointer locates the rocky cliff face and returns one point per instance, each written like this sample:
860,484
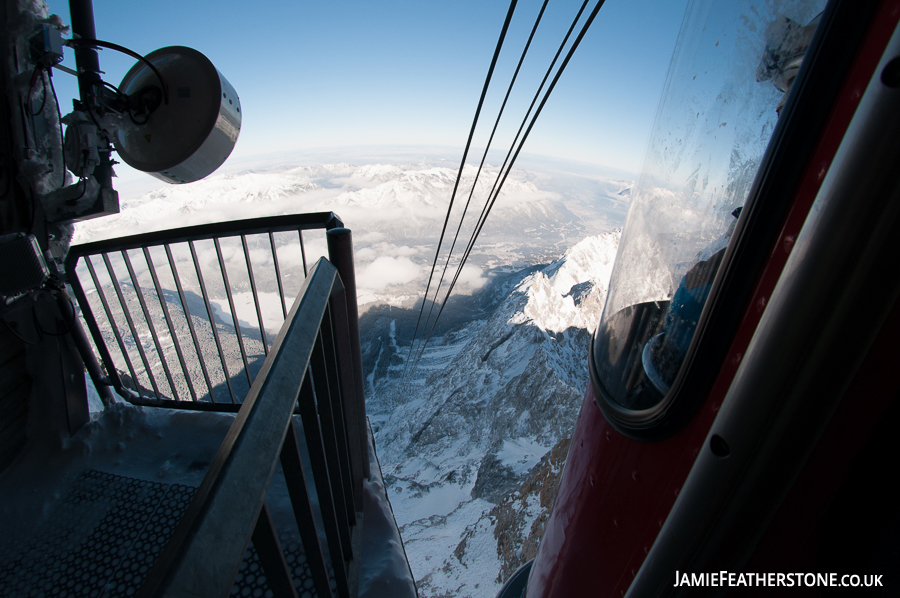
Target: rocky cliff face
475,440
520,517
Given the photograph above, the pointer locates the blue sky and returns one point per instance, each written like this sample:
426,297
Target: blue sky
404,72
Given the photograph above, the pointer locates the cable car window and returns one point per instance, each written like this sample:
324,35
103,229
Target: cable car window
731,69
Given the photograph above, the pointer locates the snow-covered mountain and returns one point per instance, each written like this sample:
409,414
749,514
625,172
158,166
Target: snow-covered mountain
394,193
396,212
489,400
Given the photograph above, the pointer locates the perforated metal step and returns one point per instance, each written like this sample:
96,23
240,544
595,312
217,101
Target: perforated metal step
104,536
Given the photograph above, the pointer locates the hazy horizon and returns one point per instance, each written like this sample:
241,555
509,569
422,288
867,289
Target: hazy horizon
315,77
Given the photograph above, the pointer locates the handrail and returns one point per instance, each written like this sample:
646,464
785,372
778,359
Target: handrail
194,374
304,367
248,226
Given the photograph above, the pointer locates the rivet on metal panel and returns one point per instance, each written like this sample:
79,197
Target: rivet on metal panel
890,76
719,447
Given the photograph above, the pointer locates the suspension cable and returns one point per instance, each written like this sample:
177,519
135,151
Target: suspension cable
487,148
502,180
485,209
487,81
488,203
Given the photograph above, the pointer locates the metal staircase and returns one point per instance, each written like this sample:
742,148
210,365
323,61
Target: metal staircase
302,413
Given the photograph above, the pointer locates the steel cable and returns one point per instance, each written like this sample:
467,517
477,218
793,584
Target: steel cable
502,176
487,82
487,148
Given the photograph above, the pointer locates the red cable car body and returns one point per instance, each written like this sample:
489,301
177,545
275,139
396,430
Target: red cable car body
768,454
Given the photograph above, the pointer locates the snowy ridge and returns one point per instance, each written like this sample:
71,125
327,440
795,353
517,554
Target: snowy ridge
193,204
395,212
421,188
428,189
557,295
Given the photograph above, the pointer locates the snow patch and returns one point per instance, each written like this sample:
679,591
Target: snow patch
521,454
269,305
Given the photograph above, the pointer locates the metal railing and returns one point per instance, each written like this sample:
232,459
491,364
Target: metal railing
185,317
310,366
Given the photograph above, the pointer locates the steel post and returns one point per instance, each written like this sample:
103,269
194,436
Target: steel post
87,62
101,383
86,59
340,253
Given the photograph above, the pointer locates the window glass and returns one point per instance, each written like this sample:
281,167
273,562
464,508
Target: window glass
731,69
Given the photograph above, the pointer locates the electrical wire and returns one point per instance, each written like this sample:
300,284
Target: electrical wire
37,323
38,72
518,149
112,87
96,43
131,115
84,182
68,329
16,334
487,81
483,216
26,105
124,99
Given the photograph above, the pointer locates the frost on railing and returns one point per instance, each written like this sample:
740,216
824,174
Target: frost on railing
190,314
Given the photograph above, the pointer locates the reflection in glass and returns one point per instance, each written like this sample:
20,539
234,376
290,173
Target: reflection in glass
731,67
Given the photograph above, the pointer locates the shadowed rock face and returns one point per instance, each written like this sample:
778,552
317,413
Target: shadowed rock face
517,521
580,291
520,519
494,479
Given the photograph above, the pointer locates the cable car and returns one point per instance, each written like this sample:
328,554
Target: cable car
736,434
